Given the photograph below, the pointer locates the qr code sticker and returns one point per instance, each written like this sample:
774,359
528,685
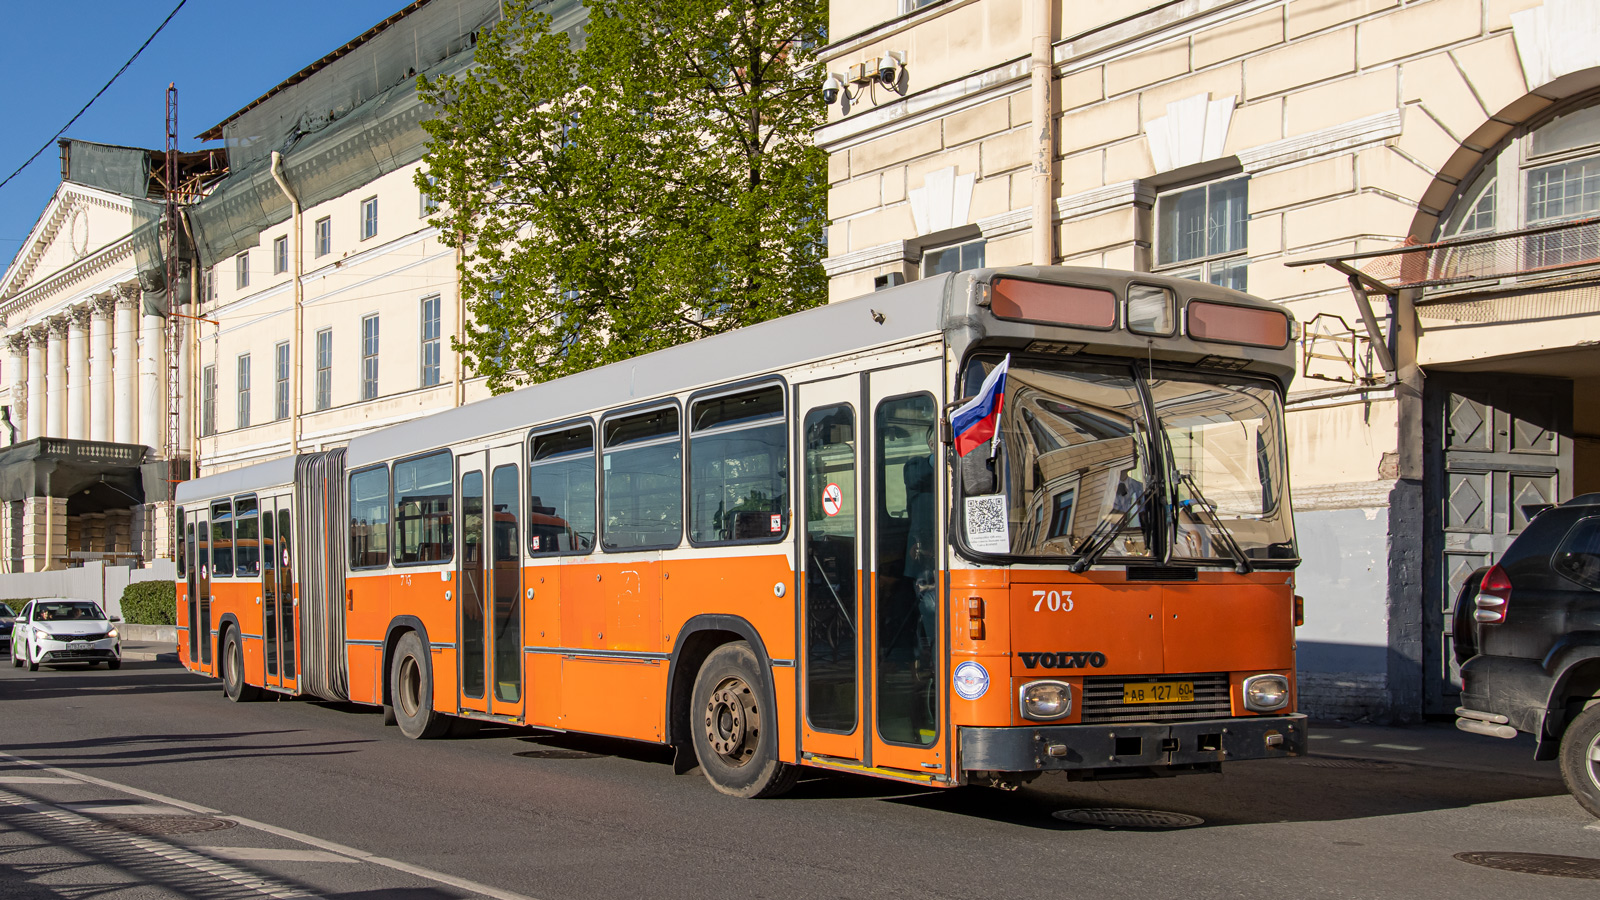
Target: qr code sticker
988,530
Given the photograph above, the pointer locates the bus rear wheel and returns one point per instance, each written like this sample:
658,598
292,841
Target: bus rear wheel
233,683
411,688
735,733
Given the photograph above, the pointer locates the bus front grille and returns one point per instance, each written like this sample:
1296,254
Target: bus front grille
1103,699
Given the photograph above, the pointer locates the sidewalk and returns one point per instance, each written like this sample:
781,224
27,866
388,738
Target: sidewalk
160,651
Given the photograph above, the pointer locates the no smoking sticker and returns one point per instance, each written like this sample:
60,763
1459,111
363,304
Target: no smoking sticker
832,499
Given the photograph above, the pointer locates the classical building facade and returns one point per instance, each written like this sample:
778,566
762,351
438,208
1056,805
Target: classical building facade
1287,148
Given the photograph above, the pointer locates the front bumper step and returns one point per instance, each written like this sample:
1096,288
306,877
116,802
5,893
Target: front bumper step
1049,748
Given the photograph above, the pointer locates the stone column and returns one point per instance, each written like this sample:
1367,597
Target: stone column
36,366
17,380
152,389
55,391
125,368
78,373
118,535
44,533
100,383
162,514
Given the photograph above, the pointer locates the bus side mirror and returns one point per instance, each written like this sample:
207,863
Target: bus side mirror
978,475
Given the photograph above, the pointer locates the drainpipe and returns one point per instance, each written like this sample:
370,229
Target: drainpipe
299,305
1044,146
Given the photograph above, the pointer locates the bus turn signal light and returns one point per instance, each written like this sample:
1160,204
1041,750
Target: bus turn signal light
975,618
1299,610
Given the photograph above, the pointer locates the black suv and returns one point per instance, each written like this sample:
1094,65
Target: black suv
1527,638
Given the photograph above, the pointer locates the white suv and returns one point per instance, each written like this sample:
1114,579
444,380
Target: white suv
54,631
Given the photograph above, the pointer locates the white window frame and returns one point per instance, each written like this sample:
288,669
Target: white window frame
242,392
323,232
241,275
324,369
1207,266
280,254
369,357
432,343
281,366
369,218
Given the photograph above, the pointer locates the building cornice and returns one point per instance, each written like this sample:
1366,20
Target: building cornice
892,253
1104,199
1327,142
93,264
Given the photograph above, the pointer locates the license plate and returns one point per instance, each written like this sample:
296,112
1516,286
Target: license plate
78,645
1159,692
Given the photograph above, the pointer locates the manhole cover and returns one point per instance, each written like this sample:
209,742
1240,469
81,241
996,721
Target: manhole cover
1127,818
1325,763
557,753
163,824
1535,863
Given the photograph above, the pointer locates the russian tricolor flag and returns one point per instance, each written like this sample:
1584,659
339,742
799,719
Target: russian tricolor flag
977,419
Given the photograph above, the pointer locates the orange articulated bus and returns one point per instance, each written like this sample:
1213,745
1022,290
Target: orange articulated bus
764,549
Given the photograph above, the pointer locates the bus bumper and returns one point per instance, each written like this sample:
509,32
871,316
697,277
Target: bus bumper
1050,748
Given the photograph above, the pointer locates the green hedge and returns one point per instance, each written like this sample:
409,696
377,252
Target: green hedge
150,603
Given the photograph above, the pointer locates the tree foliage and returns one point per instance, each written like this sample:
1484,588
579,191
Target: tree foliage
649,184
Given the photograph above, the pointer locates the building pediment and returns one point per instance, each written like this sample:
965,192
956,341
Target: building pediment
78,222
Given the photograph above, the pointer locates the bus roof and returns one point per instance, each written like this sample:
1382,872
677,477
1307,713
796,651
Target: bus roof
257,477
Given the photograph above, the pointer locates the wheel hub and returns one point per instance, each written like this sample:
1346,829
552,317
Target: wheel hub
1593,755
410,687
733,722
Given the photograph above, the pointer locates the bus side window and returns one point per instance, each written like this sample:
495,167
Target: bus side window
738,468
369,518
222,539
561,515
246,538
643,492
424,495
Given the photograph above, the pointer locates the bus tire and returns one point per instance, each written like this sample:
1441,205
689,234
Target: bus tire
1580,759
411,687
233,684
735,734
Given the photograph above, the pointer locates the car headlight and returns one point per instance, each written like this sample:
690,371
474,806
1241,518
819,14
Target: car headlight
112,633
1046,699
1265,693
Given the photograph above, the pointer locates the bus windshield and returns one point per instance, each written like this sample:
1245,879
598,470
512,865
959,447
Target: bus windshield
1080,473
1227,448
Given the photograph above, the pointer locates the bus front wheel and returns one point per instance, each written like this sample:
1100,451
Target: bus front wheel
735,733
411,689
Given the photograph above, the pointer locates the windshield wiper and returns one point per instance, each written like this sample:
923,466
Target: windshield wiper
1241,562
1099,540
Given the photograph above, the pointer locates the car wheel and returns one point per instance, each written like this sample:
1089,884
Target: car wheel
735,732
1580,759
33,665
16,657
113,664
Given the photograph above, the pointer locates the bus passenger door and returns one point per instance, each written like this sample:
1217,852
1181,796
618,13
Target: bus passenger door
832,657
277,594
908,558
504,545
200,620
192,592
471,580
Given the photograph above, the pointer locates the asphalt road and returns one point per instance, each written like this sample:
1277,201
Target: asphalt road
322,800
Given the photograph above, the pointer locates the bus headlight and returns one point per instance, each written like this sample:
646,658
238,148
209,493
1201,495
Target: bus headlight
1265,693
1046,699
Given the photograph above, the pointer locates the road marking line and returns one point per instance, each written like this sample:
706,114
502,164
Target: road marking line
241,877
36,779
1319,737
271,854
1399,747
1351,741
409,869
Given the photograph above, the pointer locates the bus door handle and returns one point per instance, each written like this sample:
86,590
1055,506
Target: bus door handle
350,599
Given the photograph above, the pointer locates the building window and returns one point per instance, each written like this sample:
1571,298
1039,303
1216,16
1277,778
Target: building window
280,255
953,258
242,270
244,391
369,217
324,230
280,387
1202,230
430,341
208,285
369,357
208,401
324,368
427,205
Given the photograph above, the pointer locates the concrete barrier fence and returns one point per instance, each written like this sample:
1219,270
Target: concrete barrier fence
94,580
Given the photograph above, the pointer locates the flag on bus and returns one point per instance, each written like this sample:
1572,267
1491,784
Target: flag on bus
978,419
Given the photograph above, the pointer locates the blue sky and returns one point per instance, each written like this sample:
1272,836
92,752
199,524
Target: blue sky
222,54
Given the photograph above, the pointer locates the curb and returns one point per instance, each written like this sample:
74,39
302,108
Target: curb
155,634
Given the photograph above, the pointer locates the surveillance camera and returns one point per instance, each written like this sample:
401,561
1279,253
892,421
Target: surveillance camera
890,67
831,86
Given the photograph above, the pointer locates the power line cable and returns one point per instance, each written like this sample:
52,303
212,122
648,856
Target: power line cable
97,94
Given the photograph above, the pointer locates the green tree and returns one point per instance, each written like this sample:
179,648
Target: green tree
650,184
